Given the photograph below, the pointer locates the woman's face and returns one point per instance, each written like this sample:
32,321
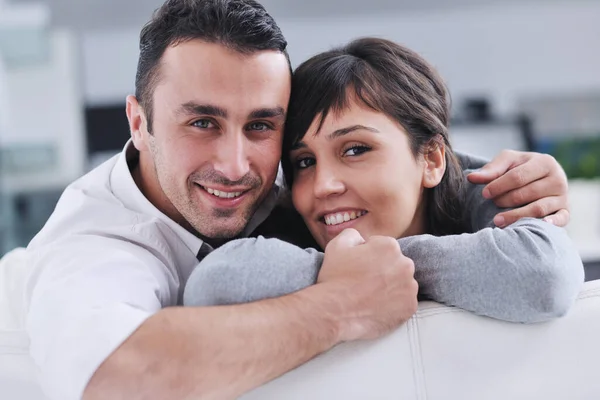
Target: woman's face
359,172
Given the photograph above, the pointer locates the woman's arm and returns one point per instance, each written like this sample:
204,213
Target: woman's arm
527,272
247,270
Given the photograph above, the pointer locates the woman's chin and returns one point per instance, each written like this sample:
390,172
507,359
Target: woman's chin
327,236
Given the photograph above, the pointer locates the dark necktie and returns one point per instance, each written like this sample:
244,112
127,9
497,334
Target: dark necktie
204,250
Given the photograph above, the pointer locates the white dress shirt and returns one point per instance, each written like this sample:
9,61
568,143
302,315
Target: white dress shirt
106,260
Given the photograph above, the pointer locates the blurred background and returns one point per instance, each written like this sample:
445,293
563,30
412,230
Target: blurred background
523,75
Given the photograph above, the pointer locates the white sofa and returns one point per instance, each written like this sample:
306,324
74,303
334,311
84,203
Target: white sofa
441,353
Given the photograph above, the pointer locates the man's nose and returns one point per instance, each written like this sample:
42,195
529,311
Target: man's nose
232,157
327,182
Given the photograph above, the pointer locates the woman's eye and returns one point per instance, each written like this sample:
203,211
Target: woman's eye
304,163
203,124
356,150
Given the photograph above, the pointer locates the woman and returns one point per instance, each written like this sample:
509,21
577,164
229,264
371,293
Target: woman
366,147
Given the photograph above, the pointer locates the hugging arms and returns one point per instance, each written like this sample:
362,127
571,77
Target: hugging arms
526,272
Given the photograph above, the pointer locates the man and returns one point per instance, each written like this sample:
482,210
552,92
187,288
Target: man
207,121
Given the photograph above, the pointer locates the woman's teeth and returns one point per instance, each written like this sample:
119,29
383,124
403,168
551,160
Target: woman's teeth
223,195
340,218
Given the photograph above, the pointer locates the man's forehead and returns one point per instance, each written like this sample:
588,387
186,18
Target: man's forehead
206,73
195,57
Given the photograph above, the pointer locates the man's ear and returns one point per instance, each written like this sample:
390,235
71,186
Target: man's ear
434,158
138,124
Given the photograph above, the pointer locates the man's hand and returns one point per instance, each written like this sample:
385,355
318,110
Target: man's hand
533,182
372,282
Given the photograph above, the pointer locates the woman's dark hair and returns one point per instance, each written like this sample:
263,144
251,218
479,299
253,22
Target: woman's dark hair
242,25
395,81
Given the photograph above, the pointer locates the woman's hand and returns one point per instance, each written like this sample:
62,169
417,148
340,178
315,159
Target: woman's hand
534,184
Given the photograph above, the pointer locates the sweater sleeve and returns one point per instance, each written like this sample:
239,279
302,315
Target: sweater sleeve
253,269
527,272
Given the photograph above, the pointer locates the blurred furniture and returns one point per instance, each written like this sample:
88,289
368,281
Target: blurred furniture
107,132
584,227
592,270
488,137
24,211
440,353
29,190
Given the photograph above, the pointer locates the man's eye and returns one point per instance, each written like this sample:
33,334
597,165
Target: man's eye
203,124
356,150
305,162
258,126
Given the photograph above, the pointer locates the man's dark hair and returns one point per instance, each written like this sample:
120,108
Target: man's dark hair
395,81
241,25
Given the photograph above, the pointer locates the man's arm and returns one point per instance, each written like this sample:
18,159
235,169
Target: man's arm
223,352
97,329
529,184
217,352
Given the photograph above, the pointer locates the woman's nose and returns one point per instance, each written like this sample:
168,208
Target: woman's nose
327,183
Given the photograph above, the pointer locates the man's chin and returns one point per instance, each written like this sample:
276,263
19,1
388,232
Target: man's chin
222,231
221,224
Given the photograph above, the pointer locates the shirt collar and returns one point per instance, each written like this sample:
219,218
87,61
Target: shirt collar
126,190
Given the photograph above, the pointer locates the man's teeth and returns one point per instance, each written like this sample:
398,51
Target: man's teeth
340,218
223,195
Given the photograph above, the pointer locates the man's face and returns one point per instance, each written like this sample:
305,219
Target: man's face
215,146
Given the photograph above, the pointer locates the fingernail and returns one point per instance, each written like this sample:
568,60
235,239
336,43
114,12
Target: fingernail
549,220
499,221
487,194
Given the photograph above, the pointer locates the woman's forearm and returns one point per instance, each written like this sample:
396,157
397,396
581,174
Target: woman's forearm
527,272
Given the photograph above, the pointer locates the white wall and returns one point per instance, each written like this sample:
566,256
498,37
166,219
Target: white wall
44,103
109,65
501,51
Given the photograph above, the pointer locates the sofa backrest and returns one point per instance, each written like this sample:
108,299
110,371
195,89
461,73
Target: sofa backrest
445,353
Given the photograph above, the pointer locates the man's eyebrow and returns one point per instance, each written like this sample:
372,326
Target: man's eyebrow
337,133
202,109
267,113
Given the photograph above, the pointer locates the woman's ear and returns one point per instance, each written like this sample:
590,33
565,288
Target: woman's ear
434,158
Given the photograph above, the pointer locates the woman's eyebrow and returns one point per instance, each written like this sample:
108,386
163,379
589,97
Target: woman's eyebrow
337,133
344,131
